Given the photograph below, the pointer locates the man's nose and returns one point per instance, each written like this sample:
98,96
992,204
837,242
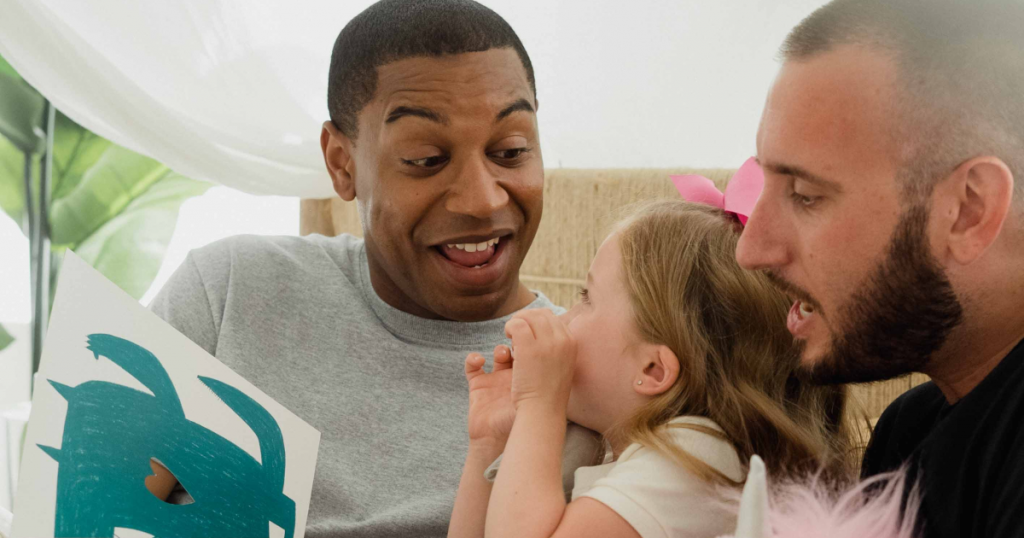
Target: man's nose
760,246
476,191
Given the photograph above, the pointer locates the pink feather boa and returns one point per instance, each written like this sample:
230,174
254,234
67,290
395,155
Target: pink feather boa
869,509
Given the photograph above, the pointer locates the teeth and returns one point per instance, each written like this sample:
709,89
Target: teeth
474,247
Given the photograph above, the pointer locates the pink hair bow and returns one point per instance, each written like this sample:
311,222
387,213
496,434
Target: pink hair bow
740,195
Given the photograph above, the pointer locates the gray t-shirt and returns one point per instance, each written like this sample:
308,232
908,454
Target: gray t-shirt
298,318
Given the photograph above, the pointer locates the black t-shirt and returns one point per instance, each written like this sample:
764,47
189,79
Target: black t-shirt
968,457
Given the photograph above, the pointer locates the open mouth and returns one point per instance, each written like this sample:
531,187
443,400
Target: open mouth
804,310
474,255
800,318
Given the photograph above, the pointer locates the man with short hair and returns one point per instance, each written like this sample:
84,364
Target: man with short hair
891,141
433,132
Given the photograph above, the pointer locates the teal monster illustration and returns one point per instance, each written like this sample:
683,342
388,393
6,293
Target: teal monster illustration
112,432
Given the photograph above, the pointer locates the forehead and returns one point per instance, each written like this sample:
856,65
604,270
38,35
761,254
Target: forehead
473,82
831,114
606,269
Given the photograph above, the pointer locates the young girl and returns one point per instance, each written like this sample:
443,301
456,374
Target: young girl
679,358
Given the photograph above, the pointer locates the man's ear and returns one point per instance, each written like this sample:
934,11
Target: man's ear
658,372
337,149
981,194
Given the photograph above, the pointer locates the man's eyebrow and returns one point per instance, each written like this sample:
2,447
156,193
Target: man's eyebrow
800,173
400,112
521,105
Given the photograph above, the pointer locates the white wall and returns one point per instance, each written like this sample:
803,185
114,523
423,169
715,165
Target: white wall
652,83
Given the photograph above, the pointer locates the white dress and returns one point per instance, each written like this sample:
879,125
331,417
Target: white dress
659,497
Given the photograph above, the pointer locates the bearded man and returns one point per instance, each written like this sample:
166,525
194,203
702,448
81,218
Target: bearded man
893,213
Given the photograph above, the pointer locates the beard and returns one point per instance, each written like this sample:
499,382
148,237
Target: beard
902,315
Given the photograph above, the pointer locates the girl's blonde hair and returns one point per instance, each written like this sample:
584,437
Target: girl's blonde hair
737,360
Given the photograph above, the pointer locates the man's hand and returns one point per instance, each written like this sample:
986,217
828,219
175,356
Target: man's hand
545,357
491,412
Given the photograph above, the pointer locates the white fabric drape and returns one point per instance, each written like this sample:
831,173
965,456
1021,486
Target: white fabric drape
234,91
227,91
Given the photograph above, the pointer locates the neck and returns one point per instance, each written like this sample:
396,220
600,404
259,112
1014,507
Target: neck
616,438
618,446
976,349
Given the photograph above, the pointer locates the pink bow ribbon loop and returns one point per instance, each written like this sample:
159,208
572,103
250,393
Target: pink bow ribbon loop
739,198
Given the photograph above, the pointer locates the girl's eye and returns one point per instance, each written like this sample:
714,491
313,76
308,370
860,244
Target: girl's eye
584,295
427,162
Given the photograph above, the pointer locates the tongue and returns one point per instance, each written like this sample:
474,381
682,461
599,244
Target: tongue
468,259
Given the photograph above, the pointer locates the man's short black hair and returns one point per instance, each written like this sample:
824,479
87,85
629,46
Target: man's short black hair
392,30
959,91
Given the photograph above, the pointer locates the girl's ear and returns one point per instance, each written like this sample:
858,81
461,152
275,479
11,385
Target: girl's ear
658,372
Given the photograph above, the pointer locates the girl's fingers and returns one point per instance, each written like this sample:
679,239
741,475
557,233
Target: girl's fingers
474,365
518,329
540,321
502,358
560,328
545,324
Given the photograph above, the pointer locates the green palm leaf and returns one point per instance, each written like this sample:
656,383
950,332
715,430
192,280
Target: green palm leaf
6,69
129,248
105,189
12,182
21,111
5,338
75,150
114,207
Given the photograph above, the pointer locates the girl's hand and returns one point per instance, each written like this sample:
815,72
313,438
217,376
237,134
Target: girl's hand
545,356
491,412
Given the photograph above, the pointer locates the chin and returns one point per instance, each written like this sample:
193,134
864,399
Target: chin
809,363
472,308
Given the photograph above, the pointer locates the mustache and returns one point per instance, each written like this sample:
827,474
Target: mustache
791,289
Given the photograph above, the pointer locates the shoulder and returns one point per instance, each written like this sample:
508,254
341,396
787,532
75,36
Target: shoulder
658,496
699,437
251,268
901,427
923,402
259,261
267,252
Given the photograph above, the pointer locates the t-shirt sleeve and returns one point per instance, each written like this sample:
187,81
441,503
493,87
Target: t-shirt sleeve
661,499
183,302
